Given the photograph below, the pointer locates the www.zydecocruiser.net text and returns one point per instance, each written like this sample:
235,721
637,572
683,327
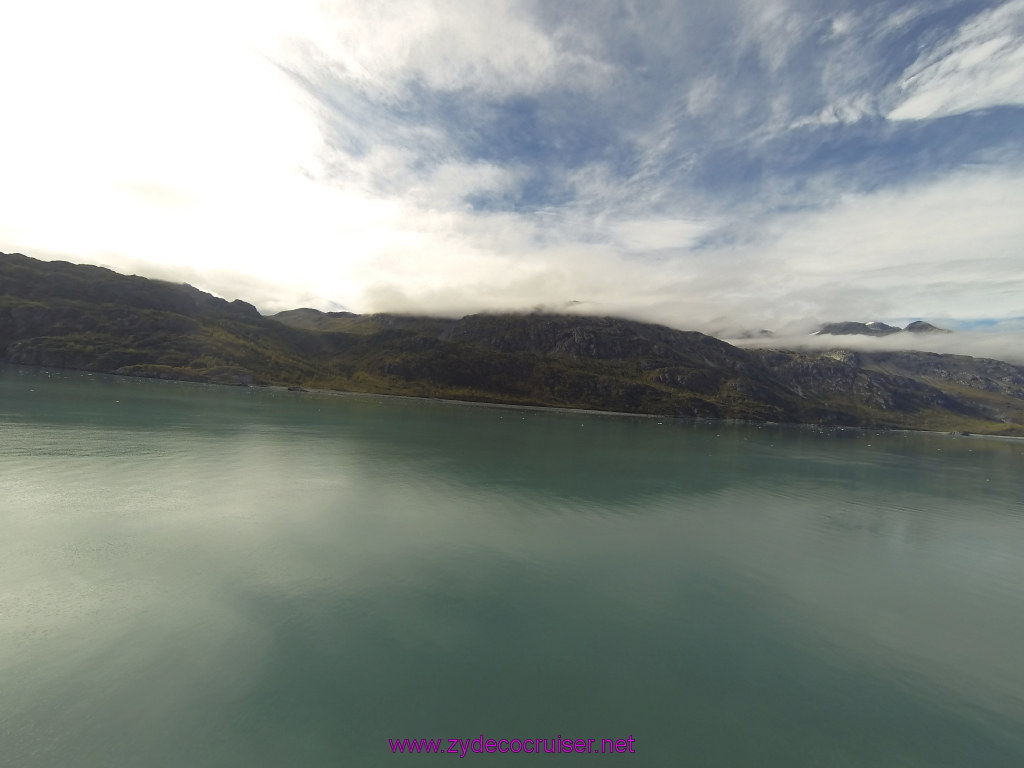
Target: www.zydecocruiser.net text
482,745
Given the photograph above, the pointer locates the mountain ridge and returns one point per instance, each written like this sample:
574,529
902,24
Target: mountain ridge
874,328
72,316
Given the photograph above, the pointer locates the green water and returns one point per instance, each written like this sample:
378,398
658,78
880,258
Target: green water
203,576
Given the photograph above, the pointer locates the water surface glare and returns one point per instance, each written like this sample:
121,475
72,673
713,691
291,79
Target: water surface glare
206,576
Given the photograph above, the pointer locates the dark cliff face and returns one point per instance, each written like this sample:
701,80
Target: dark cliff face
59,280
75,316
971,372
599,338
857,378
60,314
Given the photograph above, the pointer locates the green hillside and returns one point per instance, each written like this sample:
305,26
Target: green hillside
58,314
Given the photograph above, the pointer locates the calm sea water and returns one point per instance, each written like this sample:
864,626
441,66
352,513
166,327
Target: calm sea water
202,576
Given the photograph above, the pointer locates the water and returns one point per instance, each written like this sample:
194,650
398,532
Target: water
204,576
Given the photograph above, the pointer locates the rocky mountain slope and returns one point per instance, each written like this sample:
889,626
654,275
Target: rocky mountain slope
62,315
849,328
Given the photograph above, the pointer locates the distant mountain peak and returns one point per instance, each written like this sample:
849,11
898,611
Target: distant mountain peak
920,326
874,328
60,315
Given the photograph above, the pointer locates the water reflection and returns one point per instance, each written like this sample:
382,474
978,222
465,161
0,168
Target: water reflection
204,576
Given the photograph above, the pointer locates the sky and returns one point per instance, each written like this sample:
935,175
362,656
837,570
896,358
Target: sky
726,166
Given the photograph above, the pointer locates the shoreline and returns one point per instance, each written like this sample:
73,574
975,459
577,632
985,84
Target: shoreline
299,390
821,428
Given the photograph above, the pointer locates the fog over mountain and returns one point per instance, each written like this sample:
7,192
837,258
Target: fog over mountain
1004,341
62,315
700,165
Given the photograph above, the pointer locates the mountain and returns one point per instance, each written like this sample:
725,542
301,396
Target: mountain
874,329
73,316
920,326
64,315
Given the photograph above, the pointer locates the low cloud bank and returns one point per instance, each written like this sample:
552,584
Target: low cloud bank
1000,341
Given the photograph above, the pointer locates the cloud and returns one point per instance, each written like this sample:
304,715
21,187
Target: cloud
981,65
992,344
147,134
922,250
905,252
704,165
649,235
449,46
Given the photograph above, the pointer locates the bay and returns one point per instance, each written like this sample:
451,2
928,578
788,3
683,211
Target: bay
207,576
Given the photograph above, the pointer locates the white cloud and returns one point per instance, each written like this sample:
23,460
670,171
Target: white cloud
980,66
961,218
899,20
776,27
155,134
169,142
448,45
846,109
657,234
990,344
948,247
931,250
703,95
